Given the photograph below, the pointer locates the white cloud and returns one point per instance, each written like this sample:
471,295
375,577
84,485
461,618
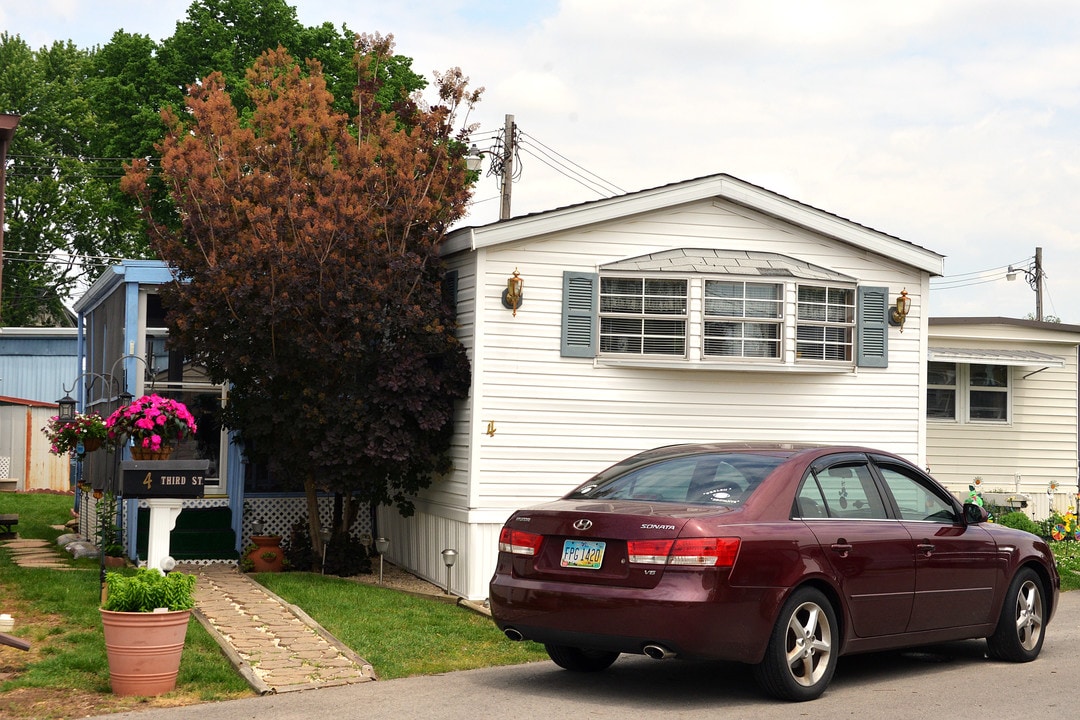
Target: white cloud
949,123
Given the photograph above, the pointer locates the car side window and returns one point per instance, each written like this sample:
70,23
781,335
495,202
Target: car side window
916,500
809,503
850,493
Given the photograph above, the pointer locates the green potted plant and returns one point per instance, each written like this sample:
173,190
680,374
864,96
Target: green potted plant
145,616
108,534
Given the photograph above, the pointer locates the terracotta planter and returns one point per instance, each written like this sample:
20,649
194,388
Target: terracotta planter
267,555
112,561
141,453
144,650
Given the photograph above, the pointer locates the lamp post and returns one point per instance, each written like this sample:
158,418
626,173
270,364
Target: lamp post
449,557
8,123
324,535
381,546
67,410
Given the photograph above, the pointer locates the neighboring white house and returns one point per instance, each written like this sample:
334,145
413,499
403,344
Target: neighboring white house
1002,406
706,310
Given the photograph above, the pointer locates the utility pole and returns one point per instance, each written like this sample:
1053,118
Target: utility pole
8,123
507,167
1038,282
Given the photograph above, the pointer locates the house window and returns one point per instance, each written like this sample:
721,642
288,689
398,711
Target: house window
743,319
712,318
976,393
643,316
826,323
988,392
941,391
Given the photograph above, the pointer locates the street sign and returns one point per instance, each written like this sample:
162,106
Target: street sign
163,478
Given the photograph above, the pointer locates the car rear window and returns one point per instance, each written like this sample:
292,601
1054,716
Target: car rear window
719,479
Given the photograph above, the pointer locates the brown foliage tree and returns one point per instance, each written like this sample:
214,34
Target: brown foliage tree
305,246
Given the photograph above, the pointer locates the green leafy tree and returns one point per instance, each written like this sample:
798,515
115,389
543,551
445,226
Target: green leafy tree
306,248
86,111
53,191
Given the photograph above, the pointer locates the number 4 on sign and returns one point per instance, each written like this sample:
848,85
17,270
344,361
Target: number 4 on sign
148,481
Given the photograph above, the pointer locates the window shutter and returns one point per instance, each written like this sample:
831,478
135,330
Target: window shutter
873,328
449,289
579,314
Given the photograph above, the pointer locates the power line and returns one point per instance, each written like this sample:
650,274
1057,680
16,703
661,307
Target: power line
551,152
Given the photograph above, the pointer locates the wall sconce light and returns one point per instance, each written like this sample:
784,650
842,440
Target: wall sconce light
449,557
512,295
899,312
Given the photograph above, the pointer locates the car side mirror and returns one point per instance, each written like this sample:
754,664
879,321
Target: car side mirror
975,514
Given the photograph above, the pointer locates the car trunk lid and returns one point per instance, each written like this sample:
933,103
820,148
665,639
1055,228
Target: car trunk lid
622,543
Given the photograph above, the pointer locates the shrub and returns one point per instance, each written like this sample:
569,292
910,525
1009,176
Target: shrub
1019,521
148,589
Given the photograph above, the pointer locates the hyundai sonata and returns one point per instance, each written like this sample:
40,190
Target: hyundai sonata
780,556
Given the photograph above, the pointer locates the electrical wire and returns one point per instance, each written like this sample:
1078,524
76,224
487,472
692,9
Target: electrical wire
551,153
578,180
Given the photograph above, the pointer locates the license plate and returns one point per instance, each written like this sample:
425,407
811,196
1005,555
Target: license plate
582,554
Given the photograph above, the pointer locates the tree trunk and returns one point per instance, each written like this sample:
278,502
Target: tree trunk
311,492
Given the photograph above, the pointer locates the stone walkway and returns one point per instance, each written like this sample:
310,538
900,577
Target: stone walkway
276,646
38,554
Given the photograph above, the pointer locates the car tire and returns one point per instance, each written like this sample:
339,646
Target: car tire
800,658
1020,629
580,659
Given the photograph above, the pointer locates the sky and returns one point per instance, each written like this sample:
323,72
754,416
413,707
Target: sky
951,124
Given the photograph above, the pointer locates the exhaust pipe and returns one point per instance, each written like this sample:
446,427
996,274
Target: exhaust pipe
513,634
657,652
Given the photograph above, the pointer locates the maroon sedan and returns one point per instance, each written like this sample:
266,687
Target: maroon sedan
781,556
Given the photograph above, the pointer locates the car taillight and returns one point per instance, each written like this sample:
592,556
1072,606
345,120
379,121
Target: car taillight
692,552
519,542
649,552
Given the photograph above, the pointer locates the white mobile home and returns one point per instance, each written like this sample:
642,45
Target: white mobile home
1002,407
705,310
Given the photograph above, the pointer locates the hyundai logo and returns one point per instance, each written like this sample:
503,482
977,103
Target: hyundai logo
582,524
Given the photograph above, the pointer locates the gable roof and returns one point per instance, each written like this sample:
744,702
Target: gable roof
720,186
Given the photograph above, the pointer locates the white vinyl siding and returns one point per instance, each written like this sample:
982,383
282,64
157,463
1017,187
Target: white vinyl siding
561,414
559,419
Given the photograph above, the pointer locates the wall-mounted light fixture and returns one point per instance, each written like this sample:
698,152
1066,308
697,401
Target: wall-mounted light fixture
513,294
898,313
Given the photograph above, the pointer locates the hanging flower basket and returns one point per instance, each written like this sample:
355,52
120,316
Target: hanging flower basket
153,424
65,437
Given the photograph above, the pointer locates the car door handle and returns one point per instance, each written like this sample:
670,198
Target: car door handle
925,548
841,548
